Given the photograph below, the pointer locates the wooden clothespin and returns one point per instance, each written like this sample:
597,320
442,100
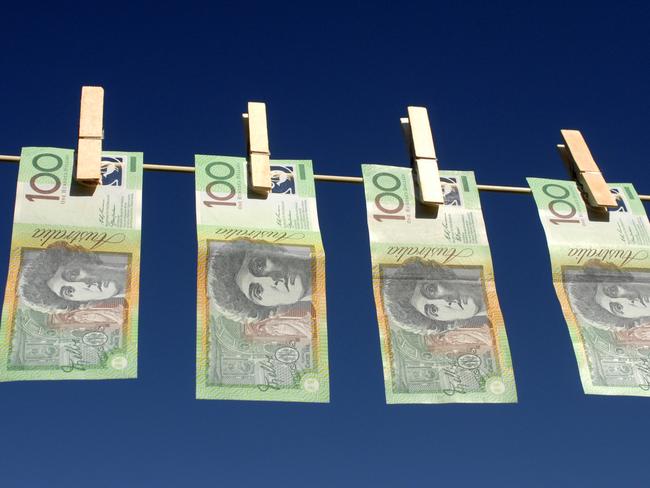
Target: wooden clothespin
257,144
419,139
91,133
581,165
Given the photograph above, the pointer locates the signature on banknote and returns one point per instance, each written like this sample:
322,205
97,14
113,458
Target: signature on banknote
456,374
287,355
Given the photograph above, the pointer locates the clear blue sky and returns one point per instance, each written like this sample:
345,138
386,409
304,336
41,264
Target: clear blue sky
500,80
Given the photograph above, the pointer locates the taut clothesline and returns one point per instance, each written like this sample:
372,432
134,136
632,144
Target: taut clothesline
331,178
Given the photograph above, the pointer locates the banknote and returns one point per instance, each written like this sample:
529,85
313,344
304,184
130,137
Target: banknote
601,273
261,318
71,301
442,334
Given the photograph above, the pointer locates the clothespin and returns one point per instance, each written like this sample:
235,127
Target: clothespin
91,133
257,144
581,165
417,132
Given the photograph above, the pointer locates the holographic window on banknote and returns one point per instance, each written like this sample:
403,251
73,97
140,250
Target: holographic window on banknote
450,191
283,179
112,170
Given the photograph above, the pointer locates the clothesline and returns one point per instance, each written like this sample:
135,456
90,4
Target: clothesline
330,178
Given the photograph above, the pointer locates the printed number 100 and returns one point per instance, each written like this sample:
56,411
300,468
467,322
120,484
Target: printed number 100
220,183
39,182
387,197
561,208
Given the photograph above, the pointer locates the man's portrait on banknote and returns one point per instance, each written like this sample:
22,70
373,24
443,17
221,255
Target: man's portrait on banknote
608,297
63,278
249,281
427,298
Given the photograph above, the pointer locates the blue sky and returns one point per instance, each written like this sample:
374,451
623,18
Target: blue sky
500,80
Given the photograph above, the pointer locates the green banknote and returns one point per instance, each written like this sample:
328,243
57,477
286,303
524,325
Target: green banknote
261,318
71,301
601,273
442,334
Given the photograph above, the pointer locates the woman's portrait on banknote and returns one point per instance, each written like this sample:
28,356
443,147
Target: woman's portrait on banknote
427,298
608,297
63,278
250,280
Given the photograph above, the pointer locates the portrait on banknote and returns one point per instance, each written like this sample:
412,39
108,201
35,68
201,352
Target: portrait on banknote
62,278
427,298
261,295
70,308
250,280
441,336
611,306
607,297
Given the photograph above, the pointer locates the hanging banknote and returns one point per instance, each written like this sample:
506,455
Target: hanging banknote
442,334
71,301
262,332
601,273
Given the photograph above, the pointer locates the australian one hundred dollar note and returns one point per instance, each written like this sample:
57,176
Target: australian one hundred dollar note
600,262
261,318
71,302
442,334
